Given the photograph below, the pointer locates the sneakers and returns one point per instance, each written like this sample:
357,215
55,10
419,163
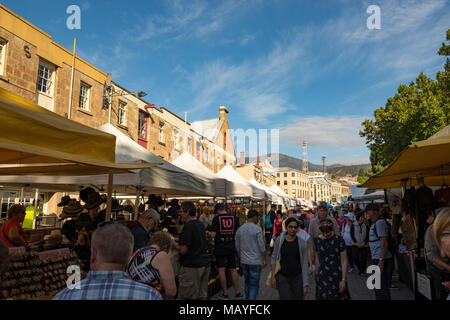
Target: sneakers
350,270
239,296
222,296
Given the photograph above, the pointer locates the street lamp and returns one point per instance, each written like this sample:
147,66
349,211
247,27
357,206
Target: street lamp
109,94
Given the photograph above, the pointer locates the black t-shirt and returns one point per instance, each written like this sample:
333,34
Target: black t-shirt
225,226
290,258
193,235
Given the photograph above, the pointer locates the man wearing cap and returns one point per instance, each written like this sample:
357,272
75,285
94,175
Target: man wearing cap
378,243
252,252
93,202
223,231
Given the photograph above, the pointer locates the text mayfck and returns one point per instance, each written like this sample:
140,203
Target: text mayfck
231,309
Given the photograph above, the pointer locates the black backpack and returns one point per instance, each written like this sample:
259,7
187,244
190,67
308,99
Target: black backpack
392,243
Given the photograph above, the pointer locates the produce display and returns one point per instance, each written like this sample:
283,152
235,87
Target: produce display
31,276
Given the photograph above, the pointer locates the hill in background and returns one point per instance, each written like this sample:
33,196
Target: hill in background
295,163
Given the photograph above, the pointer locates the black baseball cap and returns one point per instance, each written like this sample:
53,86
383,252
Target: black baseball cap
372,206
252,213
220,206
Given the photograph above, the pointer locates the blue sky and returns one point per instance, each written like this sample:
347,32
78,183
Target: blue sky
311,69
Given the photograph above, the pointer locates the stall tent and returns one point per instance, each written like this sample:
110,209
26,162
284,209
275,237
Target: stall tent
164,179
223,186
427,159
272,196
250,190
289,201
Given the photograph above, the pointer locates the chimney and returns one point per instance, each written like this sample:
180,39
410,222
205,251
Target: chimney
223,113
242,159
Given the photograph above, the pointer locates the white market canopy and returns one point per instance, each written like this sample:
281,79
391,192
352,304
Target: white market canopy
272,196
165,179
291,202
229,173
224,187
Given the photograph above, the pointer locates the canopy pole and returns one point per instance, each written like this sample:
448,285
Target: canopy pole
109,201
136,206
21,195
36,197
71,78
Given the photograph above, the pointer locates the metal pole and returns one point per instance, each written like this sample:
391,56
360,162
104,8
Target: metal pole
36,197
109,201
21,195
71,79
136,206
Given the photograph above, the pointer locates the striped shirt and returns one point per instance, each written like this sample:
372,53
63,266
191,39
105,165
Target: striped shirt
109,285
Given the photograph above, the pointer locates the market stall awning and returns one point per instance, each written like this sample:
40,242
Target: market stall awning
428,159
31,134
241,185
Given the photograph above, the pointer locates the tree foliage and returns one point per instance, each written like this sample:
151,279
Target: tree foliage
416,112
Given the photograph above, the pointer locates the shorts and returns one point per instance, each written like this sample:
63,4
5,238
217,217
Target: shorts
226,260
193,283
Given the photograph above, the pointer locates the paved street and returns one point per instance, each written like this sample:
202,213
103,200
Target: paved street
357,287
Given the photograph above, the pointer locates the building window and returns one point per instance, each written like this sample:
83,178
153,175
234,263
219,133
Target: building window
278,175
188,147
142,126
175,139
293,174
45,75
84,96
161,132
293,192
285,182
293,182
121,114
2,55
285,174
278,183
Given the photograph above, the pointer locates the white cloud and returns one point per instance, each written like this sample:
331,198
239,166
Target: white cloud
333,135
246,39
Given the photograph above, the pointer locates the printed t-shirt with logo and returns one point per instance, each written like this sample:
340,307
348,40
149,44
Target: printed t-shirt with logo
225,226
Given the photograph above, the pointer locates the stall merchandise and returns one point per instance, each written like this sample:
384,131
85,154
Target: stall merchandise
38,275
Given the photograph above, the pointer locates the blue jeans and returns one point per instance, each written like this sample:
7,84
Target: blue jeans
252,274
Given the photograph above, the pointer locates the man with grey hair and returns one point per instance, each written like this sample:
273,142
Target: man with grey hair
111,249
141,229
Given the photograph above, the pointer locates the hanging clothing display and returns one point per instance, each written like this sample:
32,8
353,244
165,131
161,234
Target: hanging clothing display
442,196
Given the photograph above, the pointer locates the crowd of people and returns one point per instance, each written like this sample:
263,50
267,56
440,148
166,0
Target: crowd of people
171,254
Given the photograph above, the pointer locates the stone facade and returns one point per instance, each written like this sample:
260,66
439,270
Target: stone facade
294,183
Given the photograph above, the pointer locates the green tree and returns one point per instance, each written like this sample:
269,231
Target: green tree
333,177
415,113
362,179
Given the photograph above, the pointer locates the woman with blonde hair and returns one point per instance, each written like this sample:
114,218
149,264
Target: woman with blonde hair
151,265
437,251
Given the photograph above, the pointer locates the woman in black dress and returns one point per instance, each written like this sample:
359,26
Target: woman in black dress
331,257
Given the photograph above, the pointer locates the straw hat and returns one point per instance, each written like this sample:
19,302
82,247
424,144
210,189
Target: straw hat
72,209
94,200
54,239
64,201
115,206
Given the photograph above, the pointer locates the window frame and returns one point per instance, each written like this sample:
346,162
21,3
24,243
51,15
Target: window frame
49,80
122,111
3,47
161,132
87,99
142,120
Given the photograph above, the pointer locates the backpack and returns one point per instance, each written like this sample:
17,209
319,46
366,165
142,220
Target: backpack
268,221
392,243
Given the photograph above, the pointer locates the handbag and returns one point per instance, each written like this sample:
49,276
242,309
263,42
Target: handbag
269,276
272,242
